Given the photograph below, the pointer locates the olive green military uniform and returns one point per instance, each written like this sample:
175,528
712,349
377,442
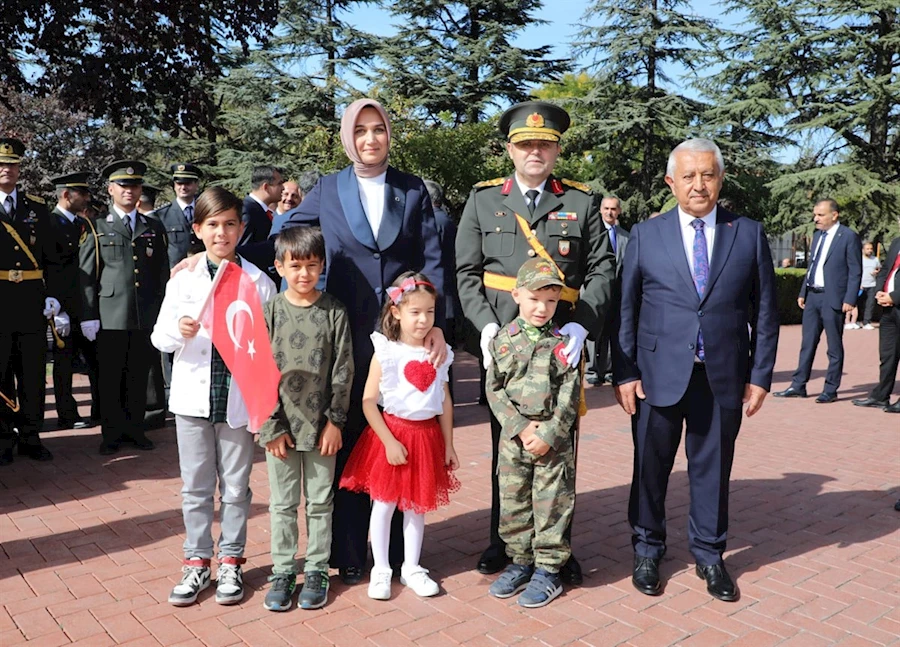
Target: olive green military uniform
530,380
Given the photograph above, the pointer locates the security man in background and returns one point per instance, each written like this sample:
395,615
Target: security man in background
26,251
178,217
72,196
124,267
509,220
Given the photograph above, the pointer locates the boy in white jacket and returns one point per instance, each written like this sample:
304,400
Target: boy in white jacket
210,416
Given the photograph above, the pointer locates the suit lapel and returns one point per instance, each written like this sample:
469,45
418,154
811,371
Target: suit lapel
672,241
834,243
394,208
139,225
115,220
515,201
726,229
348,193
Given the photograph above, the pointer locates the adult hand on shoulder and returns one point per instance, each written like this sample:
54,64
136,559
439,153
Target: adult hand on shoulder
753,398
51,307
577,335
187,264
436,344
90,329
487,334
627,394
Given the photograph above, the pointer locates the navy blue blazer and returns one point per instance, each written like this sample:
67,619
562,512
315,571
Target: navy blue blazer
661,312
358,266
256,223
843,268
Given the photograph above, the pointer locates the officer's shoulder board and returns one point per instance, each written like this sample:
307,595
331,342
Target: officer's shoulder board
35,198
163,207
495,182
581,186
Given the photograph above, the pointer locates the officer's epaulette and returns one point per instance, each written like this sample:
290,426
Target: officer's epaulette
581,186
35,198
164,205
495,182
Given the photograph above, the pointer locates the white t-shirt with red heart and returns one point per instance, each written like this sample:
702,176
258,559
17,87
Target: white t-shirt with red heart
411,388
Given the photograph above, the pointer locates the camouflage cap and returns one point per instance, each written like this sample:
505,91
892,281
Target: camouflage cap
537,273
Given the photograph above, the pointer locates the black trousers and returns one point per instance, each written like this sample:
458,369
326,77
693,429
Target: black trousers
124,357
888,352
63,359
711,431
818,316
23,359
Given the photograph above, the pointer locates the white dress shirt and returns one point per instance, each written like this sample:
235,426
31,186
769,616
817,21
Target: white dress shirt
539,188
371,194
688,233
819,278
68,214
4,195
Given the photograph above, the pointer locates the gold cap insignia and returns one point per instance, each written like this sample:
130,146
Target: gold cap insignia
534,120
6,149
181,167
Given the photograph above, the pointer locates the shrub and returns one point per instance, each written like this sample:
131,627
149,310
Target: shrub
787,286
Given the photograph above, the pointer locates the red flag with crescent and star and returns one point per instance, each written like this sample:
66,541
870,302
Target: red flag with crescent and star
234,318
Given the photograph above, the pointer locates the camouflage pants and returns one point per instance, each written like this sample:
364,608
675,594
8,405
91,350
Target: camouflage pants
537,501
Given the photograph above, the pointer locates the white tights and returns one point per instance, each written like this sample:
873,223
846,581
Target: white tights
380,531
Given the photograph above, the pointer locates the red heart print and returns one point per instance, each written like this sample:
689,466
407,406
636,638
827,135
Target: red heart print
420,374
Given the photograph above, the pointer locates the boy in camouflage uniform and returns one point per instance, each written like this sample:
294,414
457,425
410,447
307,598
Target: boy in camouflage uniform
534,394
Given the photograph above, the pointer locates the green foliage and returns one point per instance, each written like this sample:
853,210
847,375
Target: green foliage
788,282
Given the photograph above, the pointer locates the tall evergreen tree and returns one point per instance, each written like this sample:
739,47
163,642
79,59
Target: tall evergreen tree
454,59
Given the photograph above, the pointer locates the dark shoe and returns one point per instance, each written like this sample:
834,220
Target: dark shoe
894,408
897,505
314,593
35,451
72,423
543,588
645,575
571,573
351,575
6,457
825,398
280,593
141,441
871,402
790,392
514,579
108,448
718,582
493,560
592,379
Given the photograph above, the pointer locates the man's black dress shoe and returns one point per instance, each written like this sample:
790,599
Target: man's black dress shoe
790,392
108,448
718,582
645,575
870,402
35,451
896,505
825,398
351,575
72,423
894,408
571,573
493,559
141,441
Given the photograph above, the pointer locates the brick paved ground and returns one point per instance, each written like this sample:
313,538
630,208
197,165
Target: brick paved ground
91,547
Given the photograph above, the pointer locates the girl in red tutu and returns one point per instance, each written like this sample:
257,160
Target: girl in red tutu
405,456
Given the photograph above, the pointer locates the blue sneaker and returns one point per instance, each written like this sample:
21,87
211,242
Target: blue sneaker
543,587
511,581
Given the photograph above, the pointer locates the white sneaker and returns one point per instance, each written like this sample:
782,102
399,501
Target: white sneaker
195,577
851,326
868,327
380,583
416,578
229,584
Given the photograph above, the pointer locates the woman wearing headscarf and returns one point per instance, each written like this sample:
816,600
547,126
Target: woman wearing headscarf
377,223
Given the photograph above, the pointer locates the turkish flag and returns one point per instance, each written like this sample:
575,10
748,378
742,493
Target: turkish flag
234,318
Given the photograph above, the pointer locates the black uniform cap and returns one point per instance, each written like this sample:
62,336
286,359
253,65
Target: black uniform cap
72,181
186,173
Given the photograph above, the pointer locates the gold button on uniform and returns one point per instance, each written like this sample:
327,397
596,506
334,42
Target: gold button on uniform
134,257
17,247
136,284
534,232
137,271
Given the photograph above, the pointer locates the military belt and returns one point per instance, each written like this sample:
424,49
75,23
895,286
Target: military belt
17,276
508,284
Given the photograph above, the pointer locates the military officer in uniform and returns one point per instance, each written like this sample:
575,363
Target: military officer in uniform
26,250
123,272
178,217
508,220
72,195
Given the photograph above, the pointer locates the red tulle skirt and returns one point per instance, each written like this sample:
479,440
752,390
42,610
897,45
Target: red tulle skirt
421,485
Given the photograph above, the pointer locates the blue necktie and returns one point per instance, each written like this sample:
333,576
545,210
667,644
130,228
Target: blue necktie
811,277
612,238
701,273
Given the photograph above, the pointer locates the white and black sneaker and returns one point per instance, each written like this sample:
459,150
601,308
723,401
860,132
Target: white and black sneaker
195,577
230,580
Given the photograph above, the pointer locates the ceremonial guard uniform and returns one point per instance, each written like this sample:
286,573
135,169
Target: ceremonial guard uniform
26,250
499,231
71,231
123,280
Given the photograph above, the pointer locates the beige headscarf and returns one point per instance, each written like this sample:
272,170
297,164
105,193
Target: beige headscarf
348,140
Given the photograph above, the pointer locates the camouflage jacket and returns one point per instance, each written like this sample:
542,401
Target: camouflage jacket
530,380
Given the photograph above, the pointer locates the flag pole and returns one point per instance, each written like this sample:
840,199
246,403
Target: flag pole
215,282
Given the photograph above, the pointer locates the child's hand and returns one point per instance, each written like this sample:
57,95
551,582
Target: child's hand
331,440
450,458
396,453
188,327
531,442
278,447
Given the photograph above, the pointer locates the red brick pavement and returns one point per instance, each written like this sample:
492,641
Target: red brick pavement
91,546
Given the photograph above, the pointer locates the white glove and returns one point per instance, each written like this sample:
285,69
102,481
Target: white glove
90,329
487,334
51,307
577,336
63,324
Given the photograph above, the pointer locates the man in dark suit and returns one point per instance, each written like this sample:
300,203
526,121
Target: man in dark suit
598,352
887,296
697,337
829,290
267,183
178,217
72,195
123,272
28,293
